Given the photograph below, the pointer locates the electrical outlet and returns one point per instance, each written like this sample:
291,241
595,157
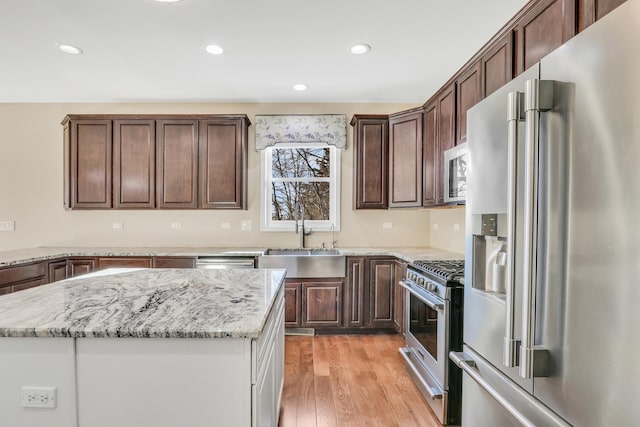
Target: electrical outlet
176,225
38,397
456,227
436,226
225,225
117,226
387,225
245,225
7,226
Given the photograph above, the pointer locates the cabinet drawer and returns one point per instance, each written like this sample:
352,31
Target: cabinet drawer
124,262
22,273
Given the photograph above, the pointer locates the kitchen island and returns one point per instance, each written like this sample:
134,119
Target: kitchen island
131,347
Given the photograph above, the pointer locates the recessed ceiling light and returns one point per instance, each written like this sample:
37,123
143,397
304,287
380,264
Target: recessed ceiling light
70,49
360,49
300,86
214,49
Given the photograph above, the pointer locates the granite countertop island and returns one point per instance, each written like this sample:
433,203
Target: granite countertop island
145,303
131,347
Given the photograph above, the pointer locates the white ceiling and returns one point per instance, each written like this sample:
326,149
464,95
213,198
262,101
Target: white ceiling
146,51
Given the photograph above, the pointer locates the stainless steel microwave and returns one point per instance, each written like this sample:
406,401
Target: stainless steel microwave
455,174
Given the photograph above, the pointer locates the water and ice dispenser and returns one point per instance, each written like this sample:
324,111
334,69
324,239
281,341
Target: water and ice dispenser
489,253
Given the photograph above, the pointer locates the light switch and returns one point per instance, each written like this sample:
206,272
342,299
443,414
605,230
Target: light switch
225,225
245,225
117,226
387,225
176,225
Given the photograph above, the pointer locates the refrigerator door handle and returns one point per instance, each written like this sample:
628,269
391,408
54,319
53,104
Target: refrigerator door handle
515,114
538,97
467,365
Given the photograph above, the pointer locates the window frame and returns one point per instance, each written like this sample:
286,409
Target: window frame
266,221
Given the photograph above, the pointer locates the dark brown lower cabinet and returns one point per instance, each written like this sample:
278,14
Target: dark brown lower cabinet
381,292
321,303
124,262
292,304
174,262
399,302
354,292
13,279
58,270
78,266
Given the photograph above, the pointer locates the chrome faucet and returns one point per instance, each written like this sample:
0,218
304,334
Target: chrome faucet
300,229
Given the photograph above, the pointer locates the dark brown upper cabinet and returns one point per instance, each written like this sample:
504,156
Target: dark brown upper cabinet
177,164
497,64
88,163
405,159
429,154
165,162
222,152
592,10
371,161
469,93
546,26
134,160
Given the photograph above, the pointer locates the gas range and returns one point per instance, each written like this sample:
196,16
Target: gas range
434,304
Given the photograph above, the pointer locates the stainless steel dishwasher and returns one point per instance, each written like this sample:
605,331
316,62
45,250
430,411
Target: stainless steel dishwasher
224,262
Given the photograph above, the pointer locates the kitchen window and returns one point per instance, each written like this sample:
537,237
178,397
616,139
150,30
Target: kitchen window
296,176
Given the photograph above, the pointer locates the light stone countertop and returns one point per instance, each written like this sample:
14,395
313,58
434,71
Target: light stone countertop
141,303
24,256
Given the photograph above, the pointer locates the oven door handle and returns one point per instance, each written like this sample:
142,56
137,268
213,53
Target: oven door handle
434,392
432,303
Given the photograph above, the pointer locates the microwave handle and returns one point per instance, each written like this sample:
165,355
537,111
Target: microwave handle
515,115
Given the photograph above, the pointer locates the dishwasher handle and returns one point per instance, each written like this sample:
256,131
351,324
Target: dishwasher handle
212,263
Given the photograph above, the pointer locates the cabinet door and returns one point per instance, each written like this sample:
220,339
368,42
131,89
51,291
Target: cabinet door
381,293
445,117
548,25
405,160
429,155
222,147
81,266
177,164
91,163
354,293
469,93
58,270
134,152
497,64
589,11
399,297
371,148
174,262
321,304
292,304
124,262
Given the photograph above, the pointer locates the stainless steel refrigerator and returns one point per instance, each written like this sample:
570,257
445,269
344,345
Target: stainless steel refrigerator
552,284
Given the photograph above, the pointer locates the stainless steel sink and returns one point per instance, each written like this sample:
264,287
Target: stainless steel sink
305,263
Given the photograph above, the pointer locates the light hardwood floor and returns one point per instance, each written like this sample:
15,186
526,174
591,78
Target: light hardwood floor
349,380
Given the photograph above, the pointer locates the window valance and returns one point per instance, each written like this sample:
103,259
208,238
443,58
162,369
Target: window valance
327,128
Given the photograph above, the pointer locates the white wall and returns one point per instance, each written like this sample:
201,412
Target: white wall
446,229
31,189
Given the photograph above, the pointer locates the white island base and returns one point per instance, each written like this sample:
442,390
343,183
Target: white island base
159,382
132,382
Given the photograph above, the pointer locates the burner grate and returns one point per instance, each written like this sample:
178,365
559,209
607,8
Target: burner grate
444,269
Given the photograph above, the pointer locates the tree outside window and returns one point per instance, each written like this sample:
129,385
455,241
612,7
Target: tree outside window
297,177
